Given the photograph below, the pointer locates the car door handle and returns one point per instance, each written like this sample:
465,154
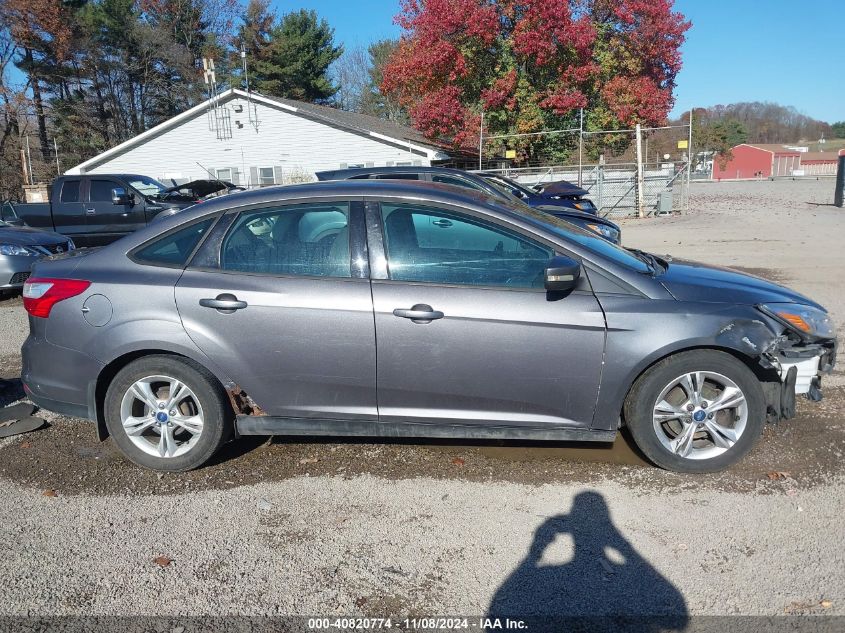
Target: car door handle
443,224
420,313
90,212
225,303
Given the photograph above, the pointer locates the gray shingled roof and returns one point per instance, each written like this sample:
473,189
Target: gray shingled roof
360,122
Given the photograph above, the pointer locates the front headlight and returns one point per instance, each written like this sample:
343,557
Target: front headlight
803,319
605,231
14,249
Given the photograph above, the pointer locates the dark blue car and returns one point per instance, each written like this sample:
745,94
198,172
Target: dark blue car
556,194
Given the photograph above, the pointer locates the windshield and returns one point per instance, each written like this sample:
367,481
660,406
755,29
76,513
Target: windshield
148,187
500,187
515,185
587,239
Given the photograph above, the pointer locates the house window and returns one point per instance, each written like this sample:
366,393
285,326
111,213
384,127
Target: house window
404,163
224,174
265,176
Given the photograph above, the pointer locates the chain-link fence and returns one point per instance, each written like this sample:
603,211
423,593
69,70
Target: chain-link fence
638,172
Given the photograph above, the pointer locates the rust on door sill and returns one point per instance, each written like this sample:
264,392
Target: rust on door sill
242,403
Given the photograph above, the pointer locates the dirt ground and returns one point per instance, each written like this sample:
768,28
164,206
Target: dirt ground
792,484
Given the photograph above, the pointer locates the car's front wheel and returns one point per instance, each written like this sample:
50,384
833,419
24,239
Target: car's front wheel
166,413
696,412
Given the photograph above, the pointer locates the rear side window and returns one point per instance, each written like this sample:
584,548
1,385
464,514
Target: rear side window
309,240
70,191
173,249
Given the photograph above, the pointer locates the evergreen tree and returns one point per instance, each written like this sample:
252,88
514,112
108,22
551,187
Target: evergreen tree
298,57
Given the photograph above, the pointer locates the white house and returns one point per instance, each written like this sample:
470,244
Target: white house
253,140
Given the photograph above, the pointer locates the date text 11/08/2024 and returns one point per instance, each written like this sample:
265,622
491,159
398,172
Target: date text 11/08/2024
424,624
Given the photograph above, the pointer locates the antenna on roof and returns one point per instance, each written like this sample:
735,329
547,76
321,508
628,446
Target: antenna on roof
252,109
219,119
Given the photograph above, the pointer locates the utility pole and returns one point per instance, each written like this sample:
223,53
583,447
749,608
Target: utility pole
580,146
689,167
480,140
56,149
640,180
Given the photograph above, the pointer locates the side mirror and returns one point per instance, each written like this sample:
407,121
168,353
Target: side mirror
562,274
119,195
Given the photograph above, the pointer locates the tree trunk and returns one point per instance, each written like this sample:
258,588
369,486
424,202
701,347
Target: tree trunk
39,105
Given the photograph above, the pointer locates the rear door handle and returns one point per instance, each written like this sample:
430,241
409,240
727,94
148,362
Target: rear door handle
90,212
225,303
419,313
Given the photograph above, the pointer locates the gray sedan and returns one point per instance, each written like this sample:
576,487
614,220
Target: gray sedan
385,308
20,247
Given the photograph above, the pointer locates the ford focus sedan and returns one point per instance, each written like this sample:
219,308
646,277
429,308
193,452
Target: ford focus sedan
391,309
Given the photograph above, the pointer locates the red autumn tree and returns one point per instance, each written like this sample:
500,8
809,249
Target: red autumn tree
530,65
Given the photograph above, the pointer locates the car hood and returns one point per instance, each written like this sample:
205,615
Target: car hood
568,212
201,188
27,236
562,188
693,281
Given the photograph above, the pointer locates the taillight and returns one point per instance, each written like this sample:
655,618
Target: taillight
40,294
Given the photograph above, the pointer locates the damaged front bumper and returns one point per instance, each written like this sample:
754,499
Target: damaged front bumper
800,368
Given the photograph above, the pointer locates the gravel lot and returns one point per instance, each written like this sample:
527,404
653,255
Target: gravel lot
427,528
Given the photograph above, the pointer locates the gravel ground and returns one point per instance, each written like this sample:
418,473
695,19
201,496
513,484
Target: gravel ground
427,528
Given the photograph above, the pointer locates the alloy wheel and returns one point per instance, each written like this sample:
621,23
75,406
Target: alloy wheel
700,415
162,416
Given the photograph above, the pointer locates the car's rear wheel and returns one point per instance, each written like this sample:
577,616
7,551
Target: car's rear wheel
696,412
167,413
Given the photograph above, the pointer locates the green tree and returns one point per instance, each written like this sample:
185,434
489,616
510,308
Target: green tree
838,129
374,101
299,54
254,37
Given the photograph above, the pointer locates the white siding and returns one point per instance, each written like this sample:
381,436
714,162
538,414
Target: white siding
287,142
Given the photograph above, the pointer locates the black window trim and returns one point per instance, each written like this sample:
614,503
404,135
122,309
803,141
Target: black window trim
132,253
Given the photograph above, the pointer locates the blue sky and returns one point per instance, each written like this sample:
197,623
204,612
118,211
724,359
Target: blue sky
784,51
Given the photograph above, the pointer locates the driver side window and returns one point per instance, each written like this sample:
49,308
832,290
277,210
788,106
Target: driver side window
425,244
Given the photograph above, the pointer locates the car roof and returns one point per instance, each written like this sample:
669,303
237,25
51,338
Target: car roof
353,172
411,189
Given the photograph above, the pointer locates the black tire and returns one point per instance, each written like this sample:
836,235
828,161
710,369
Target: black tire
217,413
641,400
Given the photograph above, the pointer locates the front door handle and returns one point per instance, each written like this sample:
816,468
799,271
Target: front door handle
225,303
90,212
420,313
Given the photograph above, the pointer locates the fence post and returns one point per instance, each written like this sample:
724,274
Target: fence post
480,140
600,182
640,180
580,148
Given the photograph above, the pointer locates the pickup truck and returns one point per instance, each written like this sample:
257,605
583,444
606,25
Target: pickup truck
97,209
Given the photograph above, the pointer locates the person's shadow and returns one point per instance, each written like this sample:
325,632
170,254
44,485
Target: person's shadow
592,579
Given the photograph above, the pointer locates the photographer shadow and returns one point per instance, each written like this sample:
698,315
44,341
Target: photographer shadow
604,586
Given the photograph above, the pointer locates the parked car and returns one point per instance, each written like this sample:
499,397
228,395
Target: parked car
572,197
20,247
408,309
477,182
98,209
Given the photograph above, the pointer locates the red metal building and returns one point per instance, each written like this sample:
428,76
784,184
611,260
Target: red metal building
758,161
770,159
